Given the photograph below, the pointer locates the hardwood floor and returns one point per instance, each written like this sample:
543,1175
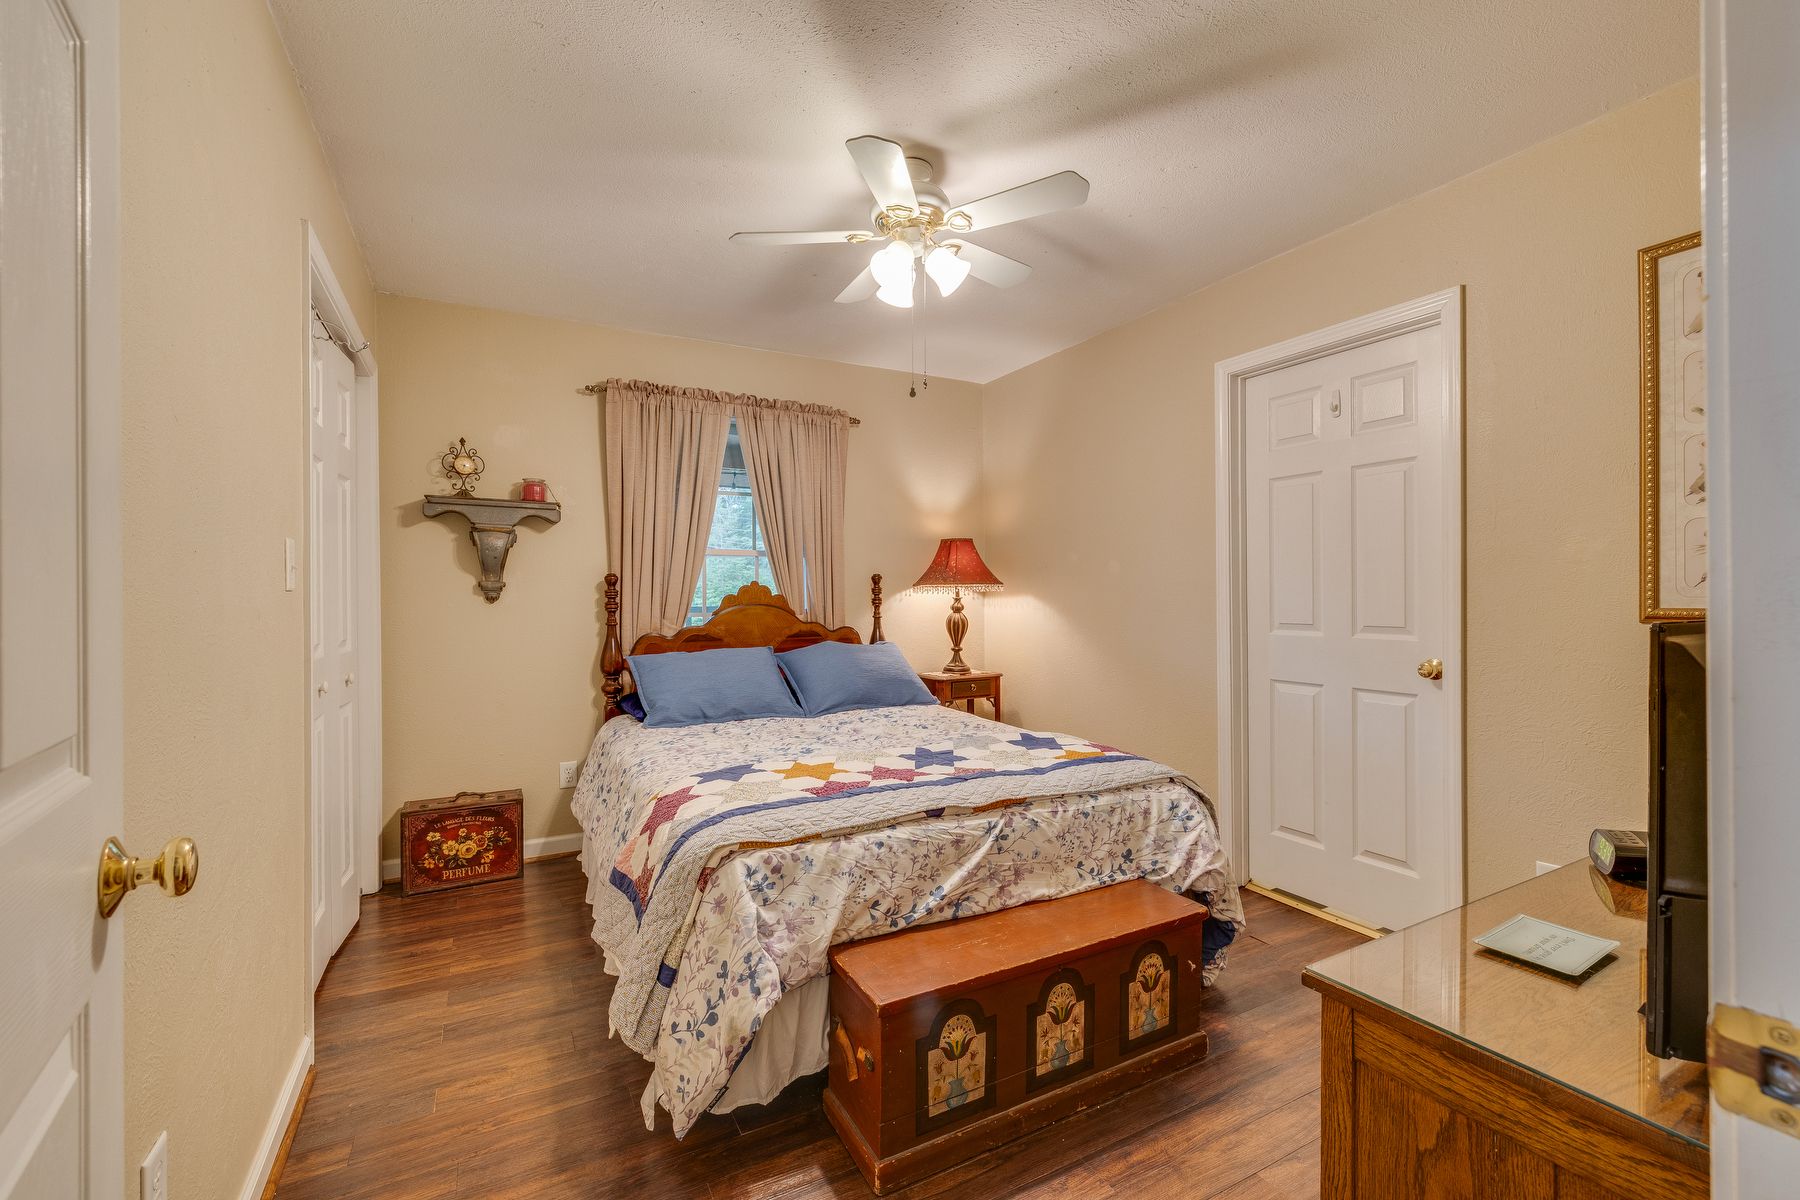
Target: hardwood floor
462,1053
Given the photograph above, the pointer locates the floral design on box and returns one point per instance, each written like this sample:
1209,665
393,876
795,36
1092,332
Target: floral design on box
955,1066
1059,1029
468,846
1149,1007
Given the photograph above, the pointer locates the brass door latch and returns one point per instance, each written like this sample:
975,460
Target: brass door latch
1753,1066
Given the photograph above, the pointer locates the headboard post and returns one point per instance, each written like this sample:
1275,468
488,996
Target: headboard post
875,603
612,659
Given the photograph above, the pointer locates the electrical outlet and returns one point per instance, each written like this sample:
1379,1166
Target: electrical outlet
153,1176
565,774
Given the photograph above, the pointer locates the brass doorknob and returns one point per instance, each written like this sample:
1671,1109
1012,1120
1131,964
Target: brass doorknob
174,870
1432,668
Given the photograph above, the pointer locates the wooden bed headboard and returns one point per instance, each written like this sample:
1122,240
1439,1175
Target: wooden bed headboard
751,616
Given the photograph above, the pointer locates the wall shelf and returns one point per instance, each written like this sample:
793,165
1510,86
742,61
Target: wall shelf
493,527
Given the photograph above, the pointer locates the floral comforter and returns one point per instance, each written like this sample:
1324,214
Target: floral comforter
725,860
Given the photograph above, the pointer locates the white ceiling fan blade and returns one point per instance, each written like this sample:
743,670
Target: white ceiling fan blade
806,238
861,288
883,167
1047,195
989,267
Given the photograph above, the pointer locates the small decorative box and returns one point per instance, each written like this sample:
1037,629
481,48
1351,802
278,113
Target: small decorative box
455,841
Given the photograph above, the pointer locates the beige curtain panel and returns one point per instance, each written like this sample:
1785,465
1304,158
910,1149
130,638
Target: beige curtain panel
664,449
796,455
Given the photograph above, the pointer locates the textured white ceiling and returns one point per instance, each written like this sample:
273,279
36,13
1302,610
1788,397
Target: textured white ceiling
587,158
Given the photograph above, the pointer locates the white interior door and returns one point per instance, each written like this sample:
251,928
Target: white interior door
61,1005
332,637
1751,105
1346,518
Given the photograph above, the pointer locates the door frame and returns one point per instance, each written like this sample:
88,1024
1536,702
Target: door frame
325,295
1231,378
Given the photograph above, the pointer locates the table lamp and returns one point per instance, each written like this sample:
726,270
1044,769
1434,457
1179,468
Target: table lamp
957,567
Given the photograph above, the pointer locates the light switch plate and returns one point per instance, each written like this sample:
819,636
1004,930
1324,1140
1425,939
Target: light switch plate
153,1176
293,566
565,775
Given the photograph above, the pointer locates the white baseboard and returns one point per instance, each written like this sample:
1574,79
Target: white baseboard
562,843
276,1129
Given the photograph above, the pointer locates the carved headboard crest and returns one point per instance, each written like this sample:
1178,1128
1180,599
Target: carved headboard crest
751,616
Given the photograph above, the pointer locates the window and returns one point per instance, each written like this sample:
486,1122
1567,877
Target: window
735,553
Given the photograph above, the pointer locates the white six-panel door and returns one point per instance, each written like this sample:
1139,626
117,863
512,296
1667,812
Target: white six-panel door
333,645
1344,572
61,1004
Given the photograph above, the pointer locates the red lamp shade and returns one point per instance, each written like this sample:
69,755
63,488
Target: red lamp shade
957,565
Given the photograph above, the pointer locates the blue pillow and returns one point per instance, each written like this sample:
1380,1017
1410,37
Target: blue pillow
834,676
696,687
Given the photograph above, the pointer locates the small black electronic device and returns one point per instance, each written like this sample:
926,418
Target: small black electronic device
1622,854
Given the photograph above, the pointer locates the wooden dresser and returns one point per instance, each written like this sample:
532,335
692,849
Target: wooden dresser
1450,1072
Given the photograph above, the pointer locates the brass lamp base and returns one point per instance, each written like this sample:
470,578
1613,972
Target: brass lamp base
958,625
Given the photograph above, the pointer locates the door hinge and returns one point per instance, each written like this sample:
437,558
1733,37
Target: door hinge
1753,1066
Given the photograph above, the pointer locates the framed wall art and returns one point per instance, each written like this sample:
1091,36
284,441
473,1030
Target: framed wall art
1672,430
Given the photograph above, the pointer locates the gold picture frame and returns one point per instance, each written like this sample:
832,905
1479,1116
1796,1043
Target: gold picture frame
1671,431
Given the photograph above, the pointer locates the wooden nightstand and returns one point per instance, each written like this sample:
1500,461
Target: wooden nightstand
976,685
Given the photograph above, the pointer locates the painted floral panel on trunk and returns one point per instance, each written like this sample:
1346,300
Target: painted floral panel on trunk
1061,1030
957,1067
954,1075
1149,996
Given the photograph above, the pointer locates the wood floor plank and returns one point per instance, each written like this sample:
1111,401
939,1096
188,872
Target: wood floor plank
462,1053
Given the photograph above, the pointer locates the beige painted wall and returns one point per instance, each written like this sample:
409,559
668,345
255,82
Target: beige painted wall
1098,481
220,167
488,696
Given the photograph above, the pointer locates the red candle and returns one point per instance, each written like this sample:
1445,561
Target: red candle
533,489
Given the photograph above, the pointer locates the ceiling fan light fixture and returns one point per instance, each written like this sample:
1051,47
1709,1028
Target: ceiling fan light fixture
899,297
892,267
946,268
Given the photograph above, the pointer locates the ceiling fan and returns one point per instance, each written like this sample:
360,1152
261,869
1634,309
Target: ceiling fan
915,224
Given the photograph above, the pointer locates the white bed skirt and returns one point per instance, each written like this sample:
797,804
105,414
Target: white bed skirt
791,1043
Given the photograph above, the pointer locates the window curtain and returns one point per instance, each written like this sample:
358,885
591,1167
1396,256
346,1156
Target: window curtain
664,450
796,455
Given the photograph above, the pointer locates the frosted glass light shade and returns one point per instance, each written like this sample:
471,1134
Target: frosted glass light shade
946,268
892,266
899,297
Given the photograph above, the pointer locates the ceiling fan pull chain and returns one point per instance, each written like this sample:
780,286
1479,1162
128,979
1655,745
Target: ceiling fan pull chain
924,339
912,350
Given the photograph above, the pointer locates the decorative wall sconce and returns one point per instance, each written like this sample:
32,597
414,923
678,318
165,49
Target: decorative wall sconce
493,527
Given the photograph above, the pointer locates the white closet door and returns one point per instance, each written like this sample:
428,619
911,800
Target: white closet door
333,643
1346,561
61,992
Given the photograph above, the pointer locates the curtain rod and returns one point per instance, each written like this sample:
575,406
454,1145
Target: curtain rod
599,389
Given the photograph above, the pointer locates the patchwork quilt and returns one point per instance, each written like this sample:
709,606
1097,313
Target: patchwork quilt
707,848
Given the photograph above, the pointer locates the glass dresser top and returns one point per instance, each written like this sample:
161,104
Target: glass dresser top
1587,1036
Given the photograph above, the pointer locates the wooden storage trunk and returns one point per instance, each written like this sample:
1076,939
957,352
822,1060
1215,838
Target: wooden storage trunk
950,1039
455,841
